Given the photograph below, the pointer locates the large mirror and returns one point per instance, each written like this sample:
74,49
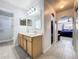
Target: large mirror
34,21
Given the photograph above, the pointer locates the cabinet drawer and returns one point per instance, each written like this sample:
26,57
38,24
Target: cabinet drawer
29,48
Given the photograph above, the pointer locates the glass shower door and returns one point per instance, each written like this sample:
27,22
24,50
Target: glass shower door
6,28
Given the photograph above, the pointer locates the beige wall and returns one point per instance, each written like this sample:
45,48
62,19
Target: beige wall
47,27
47,33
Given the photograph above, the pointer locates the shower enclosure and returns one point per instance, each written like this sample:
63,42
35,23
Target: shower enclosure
6,26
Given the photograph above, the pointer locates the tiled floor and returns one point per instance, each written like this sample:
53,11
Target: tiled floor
61,50
21,54
8,51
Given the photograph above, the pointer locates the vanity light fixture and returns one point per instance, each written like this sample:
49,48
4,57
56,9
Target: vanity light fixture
31,10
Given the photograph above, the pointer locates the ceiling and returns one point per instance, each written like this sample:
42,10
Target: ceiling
60,5
57,5
23,4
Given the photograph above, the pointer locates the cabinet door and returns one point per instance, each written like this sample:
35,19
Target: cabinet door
22,41
19,39
29,48
25,44
6,27
37,46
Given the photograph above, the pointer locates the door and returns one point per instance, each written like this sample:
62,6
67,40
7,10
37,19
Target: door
51,32
6,28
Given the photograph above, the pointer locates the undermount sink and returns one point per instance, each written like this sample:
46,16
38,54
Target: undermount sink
32,33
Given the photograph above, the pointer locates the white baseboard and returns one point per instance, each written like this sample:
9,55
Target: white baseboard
5,41
46,49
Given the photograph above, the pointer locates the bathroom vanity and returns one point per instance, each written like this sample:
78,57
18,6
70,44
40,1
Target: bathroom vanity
31,43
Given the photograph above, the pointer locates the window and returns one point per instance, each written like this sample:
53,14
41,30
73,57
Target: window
65,24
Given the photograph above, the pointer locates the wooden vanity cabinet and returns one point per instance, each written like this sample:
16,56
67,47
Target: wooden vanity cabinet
25,44
36,46
32,45
22,41
29,47
19,39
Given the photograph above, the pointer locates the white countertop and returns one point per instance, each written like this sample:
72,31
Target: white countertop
31,34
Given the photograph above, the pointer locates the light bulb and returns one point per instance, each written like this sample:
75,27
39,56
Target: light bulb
61,6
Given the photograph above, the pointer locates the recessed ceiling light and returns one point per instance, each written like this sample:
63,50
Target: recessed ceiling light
61,6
